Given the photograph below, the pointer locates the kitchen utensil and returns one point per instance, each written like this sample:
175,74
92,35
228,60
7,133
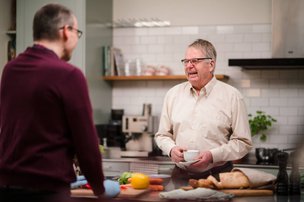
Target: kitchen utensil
266,155
282,177
124,193
131,192
185,164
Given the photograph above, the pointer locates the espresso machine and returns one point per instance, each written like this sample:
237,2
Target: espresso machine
139,132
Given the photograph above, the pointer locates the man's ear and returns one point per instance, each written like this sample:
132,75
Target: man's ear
212,66
65,32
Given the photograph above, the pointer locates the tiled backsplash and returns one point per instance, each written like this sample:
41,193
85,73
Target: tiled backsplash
279,93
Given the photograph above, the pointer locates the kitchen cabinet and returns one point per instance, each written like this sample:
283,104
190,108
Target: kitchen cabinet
115,167
150,78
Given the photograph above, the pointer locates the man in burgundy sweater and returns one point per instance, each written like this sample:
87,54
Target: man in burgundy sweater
46,115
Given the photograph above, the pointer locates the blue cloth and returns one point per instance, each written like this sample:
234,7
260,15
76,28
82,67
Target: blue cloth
112,188
80,177
79,182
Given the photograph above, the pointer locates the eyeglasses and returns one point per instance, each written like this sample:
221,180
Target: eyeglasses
79,32
193,61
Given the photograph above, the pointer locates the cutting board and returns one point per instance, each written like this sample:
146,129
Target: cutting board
82,193
248,192
131,192
126,193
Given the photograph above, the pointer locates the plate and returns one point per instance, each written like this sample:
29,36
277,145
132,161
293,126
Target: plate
185,164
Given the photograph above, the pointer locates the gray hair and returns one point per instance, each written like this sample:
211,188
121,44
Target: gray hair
206,47
49,19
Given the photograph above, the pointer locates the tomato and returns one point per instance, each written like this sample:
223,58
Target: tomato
140,181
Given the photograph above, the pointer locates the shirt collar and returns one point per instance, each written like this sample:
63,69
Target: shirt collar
43,48
205,91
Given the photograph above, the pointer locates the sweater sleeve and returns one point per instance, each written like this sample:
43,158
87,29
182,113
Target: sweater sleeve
84,136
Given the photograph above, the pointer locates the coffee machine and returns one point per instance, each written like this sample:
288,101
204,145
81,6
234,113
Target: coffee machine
139,132
112,131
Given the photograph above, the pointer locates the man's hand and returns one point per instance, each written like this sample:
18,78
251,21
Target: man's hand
204,159
176,154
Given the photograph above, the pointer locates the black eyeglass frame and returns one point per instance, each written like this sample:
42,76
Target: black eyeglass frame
186,61
79,32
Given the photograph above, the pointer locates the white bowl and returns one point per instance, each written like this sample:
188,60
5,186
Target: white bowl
190,155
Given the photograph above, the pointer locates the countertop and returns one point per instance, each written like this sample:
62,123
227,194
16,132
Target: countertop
247,162
154,196
237,199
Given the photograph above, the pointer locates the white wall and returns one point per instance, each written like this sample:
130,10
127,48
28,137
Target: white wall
280,93
26,11
195,12
96,37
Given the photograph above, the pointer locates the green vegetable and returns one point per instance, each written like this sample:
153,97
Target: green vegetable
123,179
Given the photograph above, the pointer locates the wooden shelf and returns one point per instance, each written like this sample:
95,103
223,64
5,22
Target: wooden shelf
11,32
148,78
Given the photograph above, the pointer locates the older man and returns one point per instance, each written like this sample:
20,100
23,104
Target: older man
203,114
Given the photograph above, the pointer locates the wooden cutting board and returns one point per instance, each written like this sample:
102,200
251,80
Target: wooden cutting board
241,192
131,192
248,192
126,193
82,193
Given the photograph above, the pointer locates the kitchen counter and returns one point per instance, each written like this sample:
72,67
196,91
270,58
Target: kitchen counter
165,161
249,162
163,165
153,196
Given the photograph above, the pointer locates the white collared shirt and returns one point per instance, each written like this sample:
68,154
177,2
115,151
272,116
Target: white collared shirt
214,120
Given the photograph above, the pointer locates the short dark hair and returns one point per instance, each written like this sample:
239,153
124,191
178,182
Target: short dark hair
206,46
49,19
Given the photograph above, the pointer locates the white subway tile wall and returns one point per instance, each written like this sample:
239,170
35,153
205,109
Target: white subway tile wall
279,93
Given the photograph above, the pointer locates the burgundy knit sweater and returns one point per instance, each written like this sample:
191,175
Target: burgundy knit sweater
45,120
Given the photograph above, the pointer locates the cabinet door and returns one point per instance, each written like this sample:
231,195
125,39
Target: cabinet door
25,14
166,168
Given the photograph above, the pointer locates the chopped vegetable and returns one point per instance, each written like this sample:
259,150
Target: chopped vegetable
123,179
156,187
123,187
156,181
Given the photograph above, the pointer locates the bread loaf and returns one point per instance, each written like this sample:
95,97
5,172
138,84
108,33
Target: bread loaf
201,183
228,180
217,184
234,180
